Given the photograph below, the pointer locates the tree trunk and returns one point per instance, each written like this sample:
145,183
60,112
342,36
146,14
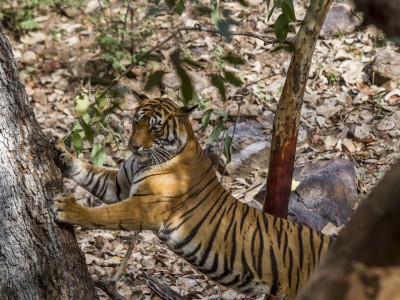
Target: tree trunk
38,259
287,116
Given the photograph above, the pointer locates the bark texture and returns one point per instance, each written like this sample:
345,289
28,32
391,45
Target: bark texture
287,116
364,261
38,259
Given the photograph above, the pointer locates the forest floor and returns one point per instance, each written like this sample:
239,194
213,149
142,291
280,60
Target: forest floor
347,113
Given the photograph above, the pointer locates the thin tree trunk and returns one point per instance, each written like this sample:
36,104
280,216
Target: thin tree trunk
38,259
287,117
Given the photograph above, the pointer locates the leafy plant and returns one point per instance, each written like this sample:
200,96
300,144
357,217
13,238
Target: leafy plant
93,116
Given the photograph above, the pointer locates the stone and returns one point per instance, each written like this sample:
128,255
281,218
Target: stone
250,148
339,19
29,58
386,66
327,194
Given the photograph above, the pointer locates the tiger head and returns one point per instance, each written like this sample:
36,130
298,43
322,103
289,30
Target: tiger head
160,130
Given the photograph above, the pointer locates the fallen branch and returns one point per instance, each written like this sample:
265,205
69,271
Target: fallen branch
110,286
162,290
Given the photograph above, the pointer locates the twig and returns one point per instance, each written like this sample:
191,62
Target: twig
196,27
110,286
162,290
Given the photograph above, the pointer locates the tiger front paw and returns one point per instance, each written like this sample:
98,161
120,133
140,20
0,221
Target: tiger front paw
67,210
63,159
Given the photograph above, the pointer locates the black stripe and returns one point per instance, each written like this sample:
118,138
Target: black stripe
214,265
225,273
298,280
193,252
260,252
223,203
253,246
280,232
285,247
91,174
200,202
247,208
312,246
118,191
105,186
211,241
231,222
233,244
151,175
290,267
247,274
194,231
274,270
320,246
300,229
95,189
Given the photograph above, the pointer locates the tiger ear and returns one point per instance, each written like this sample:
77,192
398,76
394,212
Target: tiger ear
185,111
139,96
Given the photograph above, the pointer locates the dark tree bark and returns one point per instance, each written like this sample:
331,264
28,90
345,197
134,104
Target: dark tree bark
287,116
364,261
38,259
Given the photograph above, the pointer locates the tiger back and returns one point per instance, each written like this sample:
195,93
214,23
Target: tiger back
169,186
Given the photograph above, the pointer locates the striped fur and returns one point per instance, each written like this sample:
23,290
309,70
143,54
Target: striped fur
168,185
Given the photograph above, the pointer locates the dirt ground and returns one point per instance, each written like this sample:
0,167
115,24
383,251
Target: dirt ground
347,111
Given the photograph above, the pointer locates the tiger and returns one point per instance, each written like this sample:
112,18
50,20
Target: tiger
168,185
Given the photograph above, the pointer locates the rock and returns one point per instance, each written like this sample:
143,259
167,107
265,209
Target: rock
327,193
33,38
250,148
29,58
387,66
330,230
339,19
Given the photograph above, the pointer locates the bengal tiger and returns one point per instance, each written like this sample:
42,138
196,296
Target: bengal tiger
168,185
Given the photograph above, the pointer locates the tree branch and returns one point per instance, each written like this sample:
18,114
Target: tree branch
197,27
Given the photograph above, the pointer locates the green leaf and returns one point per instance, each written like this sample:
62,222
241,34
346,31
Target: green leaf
232,78
170,3
218,82
87,129
81,104
76,140
98,155
186,85
228,148
179,7
205,120
192,63
154,80
281,27
101,102
233,59
220,113
278,3
215,133
288,9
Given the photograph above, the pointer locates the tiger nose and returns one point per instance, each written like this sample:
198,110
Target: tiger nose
135,148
